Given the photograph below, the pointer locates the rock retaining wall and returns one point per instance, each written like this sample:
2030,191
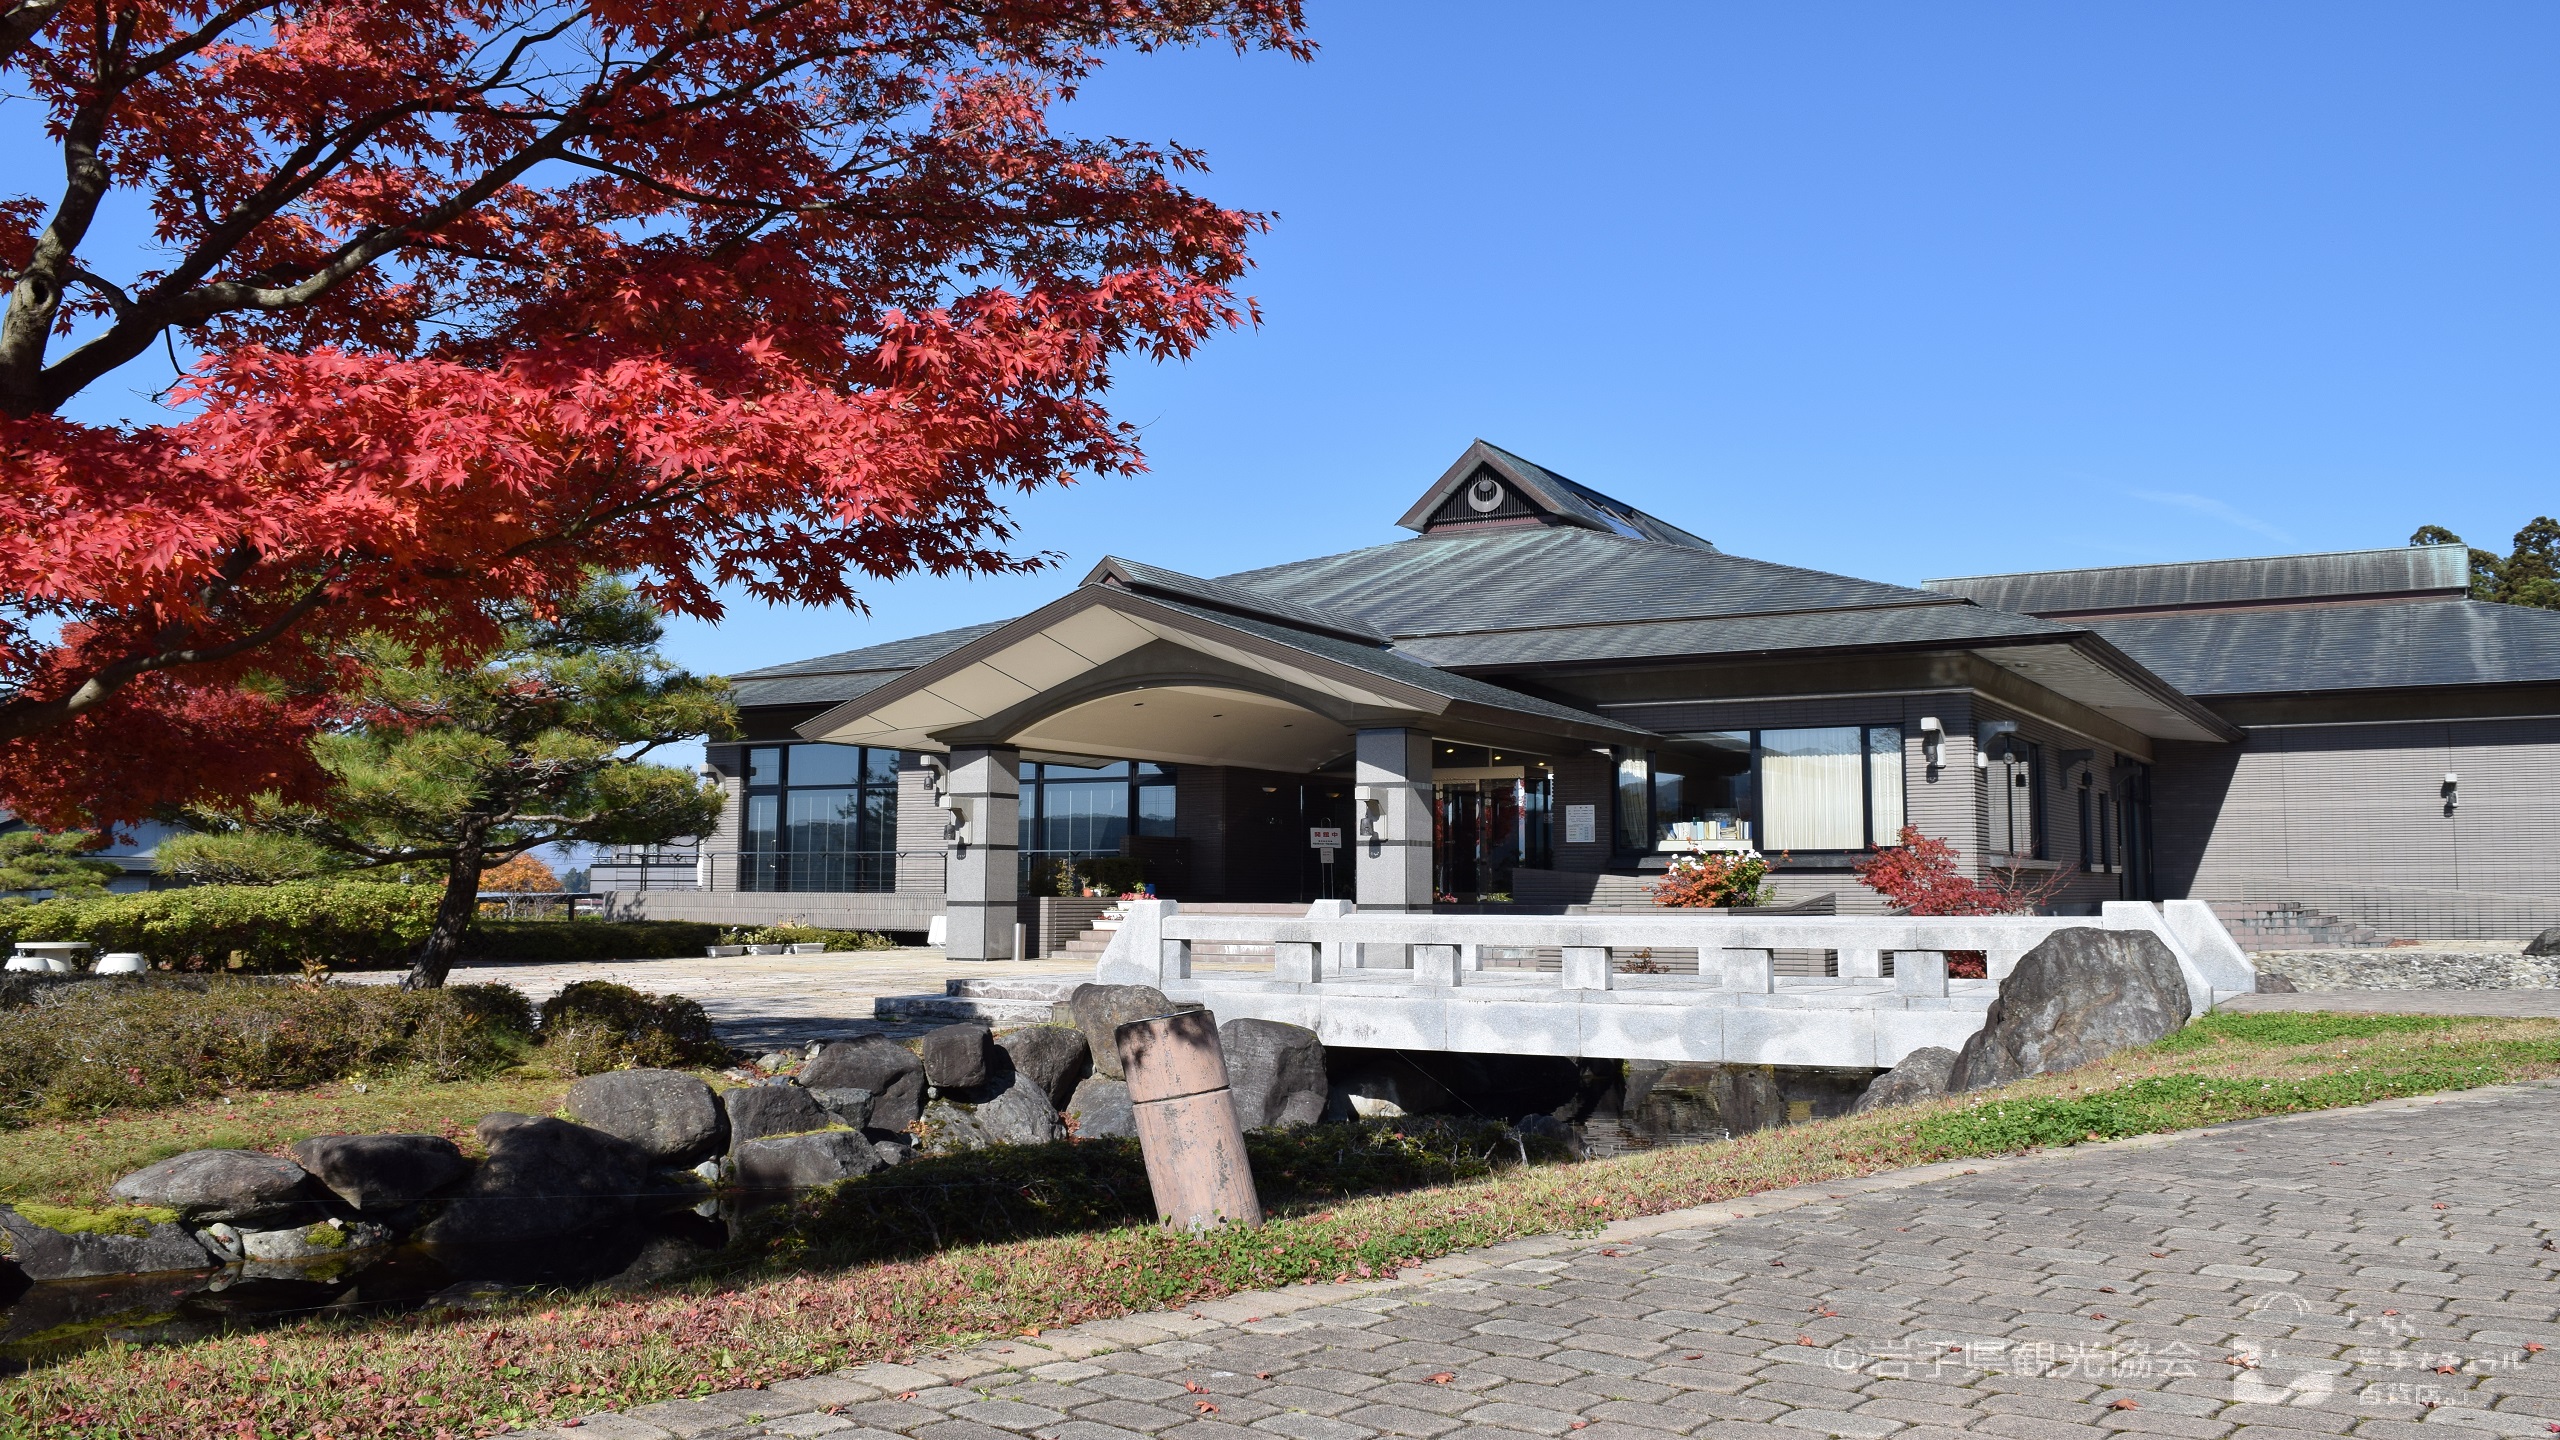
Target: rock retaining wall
2412,969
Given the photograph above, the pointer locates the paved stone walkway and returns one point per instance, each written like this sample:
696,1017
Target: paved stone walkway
2384,1273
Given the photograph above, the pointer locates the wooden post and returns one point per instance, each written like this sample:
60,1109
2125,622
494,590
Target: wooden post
1186,1120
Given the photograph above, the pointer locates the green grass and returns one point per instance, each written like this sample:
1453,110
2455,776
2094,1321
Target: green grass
71,1162
820,1292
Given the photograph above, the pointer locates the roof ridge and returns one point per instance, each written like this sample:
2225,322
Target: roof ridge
2172,564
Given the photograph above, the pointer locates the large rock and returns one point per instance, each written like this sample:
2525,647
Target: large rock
671,1115
756,1111
1276,1072
1922,1075
2546,943
382,1172
2271,983
542,1178
960,1057
1101,1010
2081,994
1053,1056
238,1186
1020,1115
846,1107
1100,1110
893,1075
795,1162
102,1242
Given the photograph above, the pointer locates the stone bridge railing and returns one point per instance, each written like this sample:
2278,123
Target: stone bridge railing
1405,981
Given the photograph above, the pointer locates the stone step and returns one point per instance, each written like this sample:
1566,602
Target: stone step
1047,989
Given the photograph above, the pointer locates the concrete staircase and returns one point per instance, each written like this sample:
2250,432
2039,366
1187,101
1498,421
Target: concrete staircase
999,1000
2290,925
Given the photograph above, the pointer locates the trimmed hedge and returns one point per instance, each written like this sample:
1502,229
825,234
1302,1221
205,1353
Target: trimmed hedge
343,923
587,939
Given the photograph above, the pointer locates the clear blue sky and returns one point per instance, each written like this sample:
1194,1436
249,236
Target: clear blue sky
1896,290
1899,291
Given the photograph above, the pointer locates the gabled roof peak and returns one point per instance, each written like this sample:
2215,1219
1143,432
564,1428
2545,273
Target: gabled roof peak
1489,487
1145,579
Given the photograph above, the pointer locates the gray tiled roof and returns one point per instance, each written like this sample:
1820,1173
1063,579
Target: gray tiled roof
1391,665
1914,625
1540,578
2344,647
1606,511
2338,574
1219,595
890,655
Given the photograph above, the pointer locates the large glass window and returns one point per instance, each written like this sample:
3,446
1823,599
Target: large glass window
1825,789
1074,812
820,818
2013,784
1813,786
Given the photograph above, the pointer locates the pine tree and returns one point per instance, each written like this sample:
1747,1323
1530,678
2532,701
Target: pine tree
544,743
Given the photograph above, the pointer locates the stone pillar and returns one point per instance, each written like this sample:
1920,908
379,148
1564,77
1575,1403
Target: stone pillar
986,846
1391,842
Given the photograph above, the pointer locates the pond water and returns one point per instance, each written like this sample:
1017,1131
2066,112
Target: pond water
47,1320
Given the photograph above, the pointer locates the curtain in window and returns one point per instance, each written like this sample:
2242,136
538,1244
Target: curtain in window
1813,783
1884,782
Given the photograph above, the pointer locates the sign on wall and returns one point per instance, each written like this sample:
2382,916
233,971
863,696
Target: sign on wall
1581,824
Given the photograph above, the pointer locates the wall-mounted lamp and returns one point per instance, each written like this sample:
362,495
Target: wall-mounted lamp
1933,741
1992,741
2452,792
1372,806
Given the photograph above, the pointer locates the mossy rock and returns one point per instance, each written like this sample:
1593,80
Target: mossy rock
135,1221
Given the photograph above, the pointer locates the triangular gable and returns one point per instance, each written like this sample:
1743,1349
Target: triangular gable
1489,484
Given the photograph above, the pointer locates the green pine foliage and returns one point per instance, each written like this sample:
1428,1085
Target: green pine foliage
2528,575
245,857
545,742
37,860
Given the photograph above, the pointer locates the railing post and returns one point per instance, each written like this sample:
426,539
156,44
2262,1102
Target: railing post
1470,958
1435,965
1173,961
1998,963
1339,955
1586,967
1920,972
1861,964
1751,972
1294,961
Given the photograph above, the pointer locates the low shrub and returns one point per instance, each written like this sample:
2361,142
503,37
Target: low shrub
797,934
343,923
105,1045
346,924
596,1025
587,939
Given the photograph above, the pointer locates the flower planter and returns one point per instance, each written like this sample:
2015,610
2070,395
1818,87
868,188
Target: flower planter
722,952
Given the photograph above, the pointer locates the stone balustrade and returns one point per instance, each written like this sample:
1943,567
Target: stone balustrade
1419,981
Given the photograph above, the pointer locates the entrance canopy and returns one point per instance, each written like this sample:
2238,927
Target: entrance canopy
1150,665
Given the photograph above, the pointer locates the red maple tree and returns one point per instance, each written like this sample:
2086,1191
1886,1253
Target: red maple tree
1918,874
773,294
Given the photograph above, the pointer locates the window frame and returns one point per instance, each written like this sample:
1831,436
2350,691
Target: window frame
1031,785
1757,808
865,785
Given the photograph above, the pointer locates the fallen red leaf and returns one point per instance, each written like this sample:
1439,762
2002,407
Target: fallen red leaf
1195,1387
2533,1347
1695,1355
1444,1377
906,1394
1261,1374
2125,1403
1804,1339
1204,1407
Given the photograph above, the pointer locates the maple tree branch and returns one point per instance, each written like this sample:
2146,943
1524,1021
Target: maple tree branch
26,717
19,24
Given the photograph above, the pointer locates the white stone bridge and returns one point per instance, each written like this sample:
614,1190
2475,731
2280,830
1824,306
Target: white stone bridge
1460,982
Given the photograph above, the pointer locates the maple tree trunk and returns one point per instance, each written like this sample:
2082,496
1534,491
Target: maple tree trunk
453,913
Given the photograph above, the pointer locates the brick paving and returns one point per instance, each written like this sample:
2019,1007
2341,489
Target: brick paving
2380,1273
